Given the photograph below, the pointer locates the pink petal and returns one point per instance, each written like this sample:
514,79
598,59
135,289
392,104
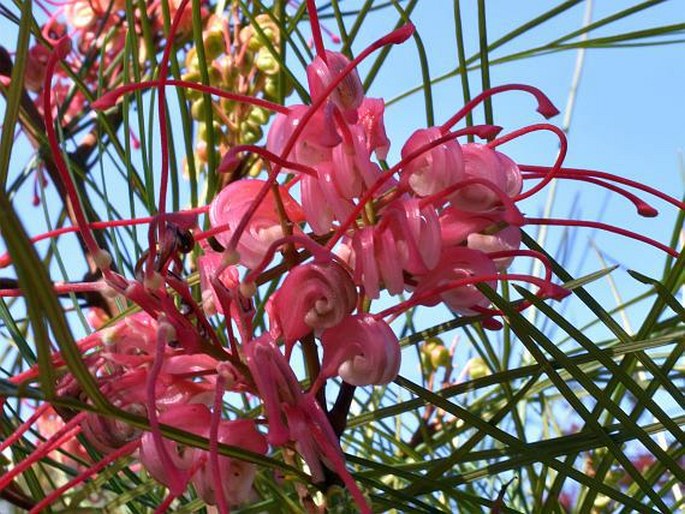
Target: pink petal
435,169
313,296
362,350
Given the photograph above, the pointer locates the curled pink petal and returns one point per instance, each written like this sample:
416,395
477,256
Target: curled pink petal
351,164
315,142
340,205
237,476
370,117
314,296
457,225
208,265
348,94
457,263
366,268
362,351
435,169
509,238
193,418
482,162
318,212
264,227
513,182
133,335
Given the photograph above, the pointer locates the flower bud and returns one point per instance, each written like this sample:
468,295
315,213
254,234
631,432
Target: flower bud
192,61
361,350
214,44
271,88
198,109
440,357
266,63
477,368
258,116
314,296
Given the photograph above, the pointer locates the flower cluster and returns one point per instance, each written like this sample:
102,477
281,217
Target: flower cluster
99,30
442,224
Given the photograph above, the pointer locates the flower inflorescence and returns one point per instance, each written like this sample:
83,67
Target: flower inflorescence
438,226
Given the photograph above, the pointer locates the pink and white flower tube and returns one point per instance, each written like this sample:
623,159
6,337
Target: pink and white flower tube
187,463
348,95
436,169
362,350
458,263
264,227
481,161
313,297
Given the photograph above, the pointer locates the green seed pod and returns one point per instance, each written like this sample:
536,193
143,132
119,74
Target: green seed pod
256,168
192,61
227,105
429,346
247,64
271,88
426,364
192,94
215,77
202,132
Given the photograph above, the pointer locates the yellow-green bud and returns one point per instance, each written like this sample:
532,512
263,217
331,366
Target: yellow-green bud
478,368
440,357
271,88
250,134
258,116
266,63
198,109
202,131
192,62
255,168
214,44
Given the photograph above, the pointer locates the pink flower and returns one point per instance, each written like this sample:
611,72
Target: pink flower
109,434
321,201
480,161
455,264
36,65
317,210
480,231
196,419
135,334
362,350
351,164
264,227
237,476
313,296
186,463
348,95
296,416
509,238
208,265
435,169
406,239
313,145
370,117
